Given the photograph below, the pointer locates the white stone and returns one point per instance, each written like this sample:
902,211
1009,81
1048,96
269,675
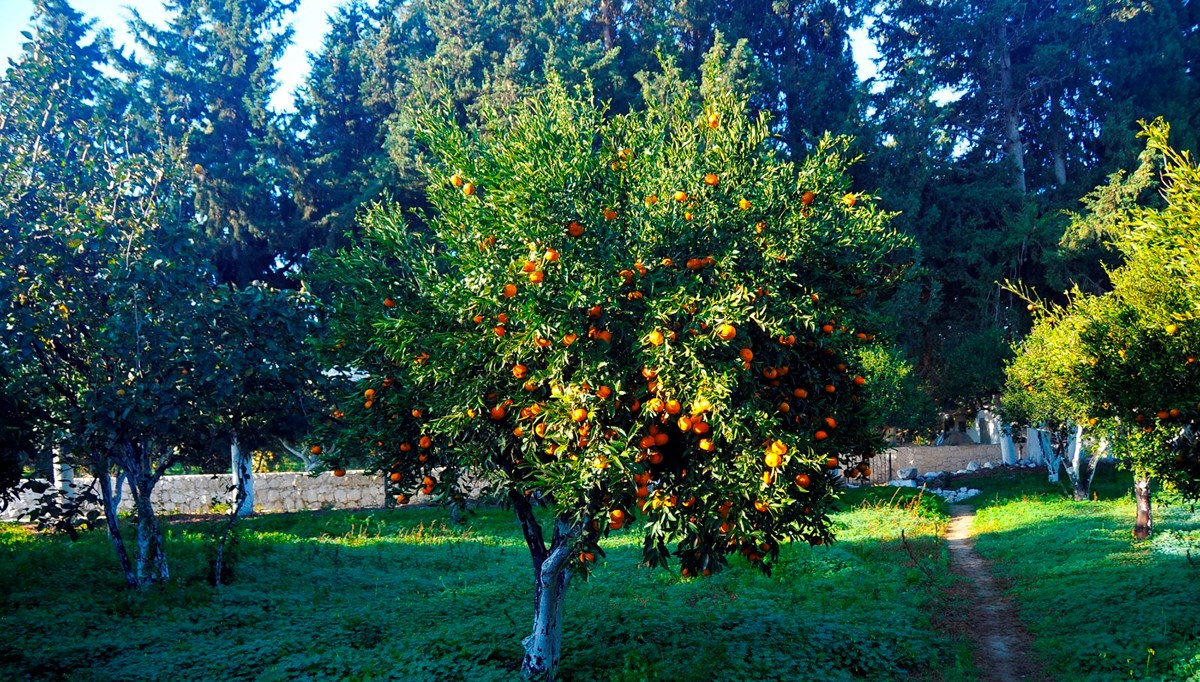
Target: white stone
972,466
907,474
904,483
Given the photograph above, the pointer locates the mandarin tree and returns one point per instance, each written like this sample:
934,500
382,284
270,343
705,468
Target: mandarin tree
646,322
1124,362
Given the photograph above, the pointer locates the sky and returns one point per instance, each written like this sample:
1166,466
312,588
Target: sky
309,21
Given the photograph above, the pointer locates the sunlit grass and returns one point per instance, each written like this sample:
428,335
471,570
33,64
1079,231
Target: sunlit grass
408,595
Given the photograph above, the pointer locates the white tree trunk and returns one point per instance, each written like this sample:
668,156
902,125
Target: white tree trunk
1033,446
1053,461
1008,451
64,475
543,647
243,478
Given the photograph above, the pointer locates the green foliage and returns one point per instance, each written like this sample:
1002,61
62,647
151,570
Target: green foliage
1124,362
590,280
350,586
894,391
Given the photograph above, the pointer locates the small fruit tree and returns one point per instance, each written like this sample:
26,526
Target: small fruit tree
644,322
1125,362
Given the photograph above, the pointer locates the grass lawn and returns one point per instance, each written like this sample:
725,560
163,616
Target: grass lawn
401,595
1099,605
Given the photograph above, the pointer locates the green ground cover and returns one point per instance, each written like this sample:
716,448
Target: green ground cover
402,595
1099,605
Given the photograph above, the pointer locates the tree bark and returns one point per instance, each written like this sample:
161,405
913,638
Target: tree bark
1143,525
552,575
1058,144
114,528
1008,451
1076,456
64,476
1053,460
1011,114
243,478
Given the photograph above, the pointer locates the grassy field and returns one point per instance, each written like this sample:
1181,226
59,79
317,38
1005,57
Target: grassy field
401,595
1099,605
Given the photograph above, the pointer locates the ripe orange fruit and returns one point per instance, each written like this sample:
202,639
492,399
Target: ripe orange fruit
726,331
830,388
396,477
713,120
510,290
831,463
707,445
744,204
680,196
552,255
827,329
656,338
339,472
800,393
711,179
425,442
586,557
859,381
579,414
574,229
389,303
773,460
831,422
803,481
808,197
778,447
700,427
316,449
609,214
661,439
499,330
456,180
478,319
369,394
784,407
537,276
520,371
820,435
651,200
761,506
850,200
746,354
1172,328
498,412
604,335
468,189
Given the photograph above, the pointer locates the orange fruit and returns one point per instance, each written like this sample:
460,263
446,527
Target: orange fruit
711,179
773,460
468,189
800,393
707,445
803,481
699,427
529,266
552,255
651,200
1171,328
680,196
831,422
827,329
425,442
713,120
744,204
456,180
673,407
831,463
850,200
761,506
859,381
808,197
396,477
575,229
499,330
830,388
656,338
820,435
537,276
520,371
609,214
579,414
316,449
339,472
389,303
726,331
510,290
746,354
784,407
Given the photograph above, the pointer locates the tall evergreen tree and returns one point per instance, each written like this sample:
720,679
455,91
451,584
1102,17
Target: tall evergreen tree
207,86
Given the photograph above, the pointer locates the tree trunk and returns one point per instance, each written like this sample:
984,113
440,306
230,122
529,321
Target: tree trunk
543,647
1053,460
151,552
64,476
114,528
1012,126
1008,451
1033,446
551,576
1058,144
1143,525
1077,459
243,478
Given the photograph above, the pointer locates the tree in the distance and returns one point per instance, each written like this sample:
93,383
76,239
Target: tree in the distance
632,316
1124,362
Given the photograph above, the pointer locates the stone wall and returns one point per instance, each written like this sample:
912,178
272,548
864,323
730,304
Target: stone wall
273,492
932,458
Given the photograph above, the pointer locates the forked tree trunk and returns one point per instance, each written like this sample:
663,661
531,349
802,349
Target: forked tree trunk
243,478
114,528
151,552
1143,525
552,576
1052,457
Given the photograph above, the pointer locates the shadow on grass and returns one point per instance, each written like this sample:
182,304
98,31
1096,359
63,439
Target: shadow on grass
403,595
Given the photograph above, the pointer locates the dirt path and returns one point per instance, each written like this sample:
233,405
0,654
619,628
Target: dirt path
1001,643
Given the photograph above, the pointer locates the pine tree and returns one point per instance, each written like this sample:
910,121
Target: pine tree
207,87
